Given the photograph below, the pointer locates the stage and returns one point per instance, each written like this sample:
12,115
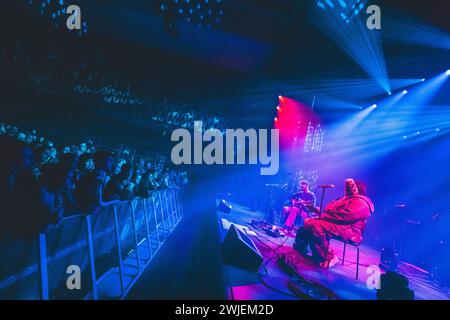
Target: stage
168,150
271,282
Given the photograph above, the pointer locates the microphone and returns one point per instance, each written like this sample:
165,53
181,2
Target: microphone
327,186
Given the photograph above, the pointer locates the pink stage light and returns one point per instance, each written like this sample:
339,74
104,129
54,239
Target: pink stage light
293,122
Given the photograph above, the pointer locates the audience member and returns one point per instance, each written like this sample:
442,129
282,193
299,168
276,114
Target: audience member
39,185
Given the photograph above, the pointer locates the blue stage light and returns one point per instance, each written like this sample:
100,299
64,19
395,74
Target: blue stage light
399,119
353,36
320,5
447,72
409,30
405,91
331,4
202,13
342,3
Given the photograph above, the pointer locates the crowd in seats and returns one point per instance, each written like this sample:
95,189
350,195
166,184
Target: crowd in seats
183,116
58,72
41,183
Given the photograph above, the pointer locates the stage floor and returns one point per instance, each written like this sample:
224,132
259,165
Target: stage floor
271,282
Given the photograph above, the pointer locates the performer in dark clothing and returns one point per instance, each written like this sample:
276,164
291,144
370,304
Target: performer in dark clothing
344,218
298,204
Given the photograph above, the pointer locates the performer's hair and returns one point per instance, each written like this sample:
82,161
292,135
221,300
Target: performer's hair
304,181
362,187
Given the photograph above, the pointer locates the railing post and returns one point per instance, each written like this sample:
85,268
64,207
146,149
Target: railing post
149,242
156,220
173,207
91,257
119,251
168,211
42,267
180,204
162,214
136,243
177,206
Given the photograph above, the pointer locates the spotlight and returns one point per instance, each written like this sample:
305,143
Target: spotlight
278,108
423,79
276,119
447,72
405,91
389,93
281,98
374,106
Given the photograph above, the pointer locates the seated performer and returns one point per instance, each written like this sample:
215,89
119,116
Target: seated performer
299,205
344,218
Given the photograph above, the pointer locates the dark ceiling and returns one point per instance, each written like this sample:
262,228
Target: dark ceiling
257,39
254,35
435,12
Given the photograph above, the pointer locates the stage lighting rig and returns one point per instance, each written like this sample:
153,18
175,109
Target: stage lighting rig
203,13
346,9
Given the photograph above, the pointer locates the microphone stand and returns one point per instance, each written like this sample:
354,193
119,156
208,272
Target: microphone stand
321,202
270,212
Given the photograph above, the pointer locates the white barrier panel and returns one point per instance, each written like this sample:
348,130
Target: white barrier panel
111,248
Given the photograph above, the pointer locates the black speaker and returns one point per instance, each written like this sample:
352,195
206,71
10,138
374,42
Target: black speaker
394,286
239,250
224,206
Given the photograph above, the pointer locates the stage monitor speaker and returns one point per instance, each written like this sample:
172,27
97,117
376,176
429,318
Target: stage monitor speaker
224,206
239,250
394,286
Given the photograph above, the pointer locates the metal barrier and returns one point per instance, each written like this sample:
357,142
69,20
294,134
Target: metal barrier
111,249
